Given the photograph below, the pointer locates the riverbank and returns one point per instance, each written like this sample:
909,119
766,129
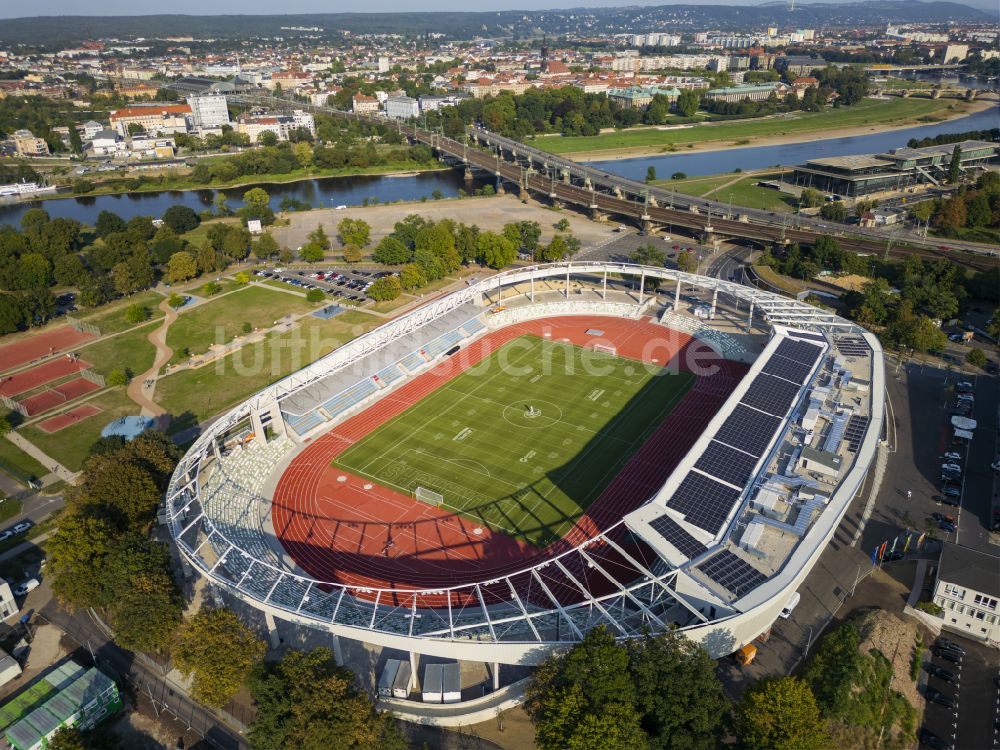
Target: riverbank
724,136
399,169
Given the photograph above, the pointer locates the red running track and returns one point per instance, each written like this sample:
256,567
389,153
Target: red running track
41,345
339,527
11,385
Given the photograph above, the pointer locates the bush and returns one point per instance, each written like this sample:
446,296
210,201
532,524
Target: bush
211,288
311,253
119,377
385,289
929,607
82,186
175,300
315,295
976,358
246,327
678,176
136,313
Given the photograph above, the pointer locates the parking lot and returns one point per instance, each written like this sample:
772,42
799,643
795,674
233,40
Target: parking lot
346,285
962,696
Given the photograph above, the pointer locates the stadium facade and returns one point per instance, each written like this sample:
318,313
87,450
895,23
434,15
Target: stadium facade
716,552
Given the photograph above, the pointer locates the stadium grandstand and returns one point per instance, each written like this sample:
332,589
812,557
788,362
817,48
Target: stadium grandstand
546,450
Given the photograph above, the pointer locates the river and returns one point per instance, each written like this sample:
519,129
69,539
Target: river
351,191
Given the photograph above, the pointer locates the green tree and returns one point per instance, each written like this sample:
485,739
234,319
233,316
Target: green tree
266,246
69,270
922,211
810,198
268,138
648,255
181,219
307,702
136,313
318,237
311,253
218,651
834,211
67,738
108,223
257,205
143,600
385,289
118,377
33,271
242,278
175,300
780,713
211,288
496,250
353,254
955,165
562,225
976,358
315,295
688,102
124,488
391,251
556,250
75,141
411,277
355,232
79,548
650,173
181,267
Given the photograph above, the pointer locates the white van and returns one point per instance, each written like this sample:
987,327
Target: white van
792,604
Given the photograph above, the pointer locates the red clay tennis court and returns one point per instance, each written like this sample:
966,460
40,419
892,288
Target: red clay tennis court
61,394
343,528
11,385
67,418
26,350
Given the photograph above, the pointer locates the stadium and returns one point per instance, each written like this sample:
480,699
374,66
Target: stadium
553,448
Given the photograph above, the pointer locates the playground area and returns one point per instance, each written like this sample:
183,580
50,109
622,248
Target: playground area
67,418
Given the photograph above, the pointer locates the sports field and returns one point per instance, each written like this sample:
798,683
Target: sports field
526,440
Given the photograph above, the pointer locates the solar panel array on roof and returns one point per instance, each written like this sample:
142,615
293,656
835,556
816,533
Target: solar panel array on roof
725,463
670,530
855,431
748,429
852,346
794,372
732,573
799,351
770,394
704,502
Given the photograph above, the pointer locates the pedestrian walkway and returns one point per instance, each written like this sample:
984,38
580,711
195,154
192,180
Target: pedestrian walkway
142,387
39,455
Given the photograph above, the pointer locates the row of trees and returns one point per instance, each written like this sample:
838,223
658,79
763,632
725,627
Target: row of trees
970,208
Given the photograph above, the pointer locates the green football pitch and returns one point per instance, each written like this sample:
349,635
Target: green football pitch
526,440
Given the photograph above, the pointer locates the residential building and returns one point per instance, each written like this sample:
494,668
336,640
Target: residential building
322,98
799,65
752,93
156,118
281,125
483,87
91,128
954,53
107,143
401,107
27,145
8,604
209,111
151,147
968,591
639,97
363,104
69,695
432,103
289,80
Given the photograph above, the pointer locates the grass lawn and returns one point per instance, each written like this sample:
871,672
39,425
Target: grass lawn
210,389
19,464
697,185
111,318
219,320
131,350
524,444
9,509
868,112
743,192
71,445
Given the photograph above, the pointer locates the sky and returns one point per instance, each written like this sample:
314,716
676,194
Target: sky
268,7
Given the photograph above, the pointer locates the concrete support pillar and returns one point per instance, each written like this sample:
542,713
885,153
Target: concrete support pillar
567,283
258,428
596,215
565,176
468,174
272,630
496,676
604,288
522,192
750,316
647,226
499,291
277,423
677,295
618,192
414,663
587,184
642,287
532,288
500,188
715,300
652,202
215,450
338,654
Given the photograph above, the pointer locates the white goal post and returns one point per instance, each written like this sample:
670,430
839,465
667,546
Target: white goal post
605,349
430,497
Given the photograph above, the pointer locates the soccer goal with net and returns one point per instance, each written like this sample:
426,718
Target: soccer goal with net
430,497
606,349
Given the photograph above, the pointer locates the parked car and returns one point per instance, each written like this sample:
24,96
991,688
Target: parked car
951,490
952,456
950,645
936,696
932,741
947,526
964,386
30,585
942,517
20,528
791,605
953,656
940,672
954,502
